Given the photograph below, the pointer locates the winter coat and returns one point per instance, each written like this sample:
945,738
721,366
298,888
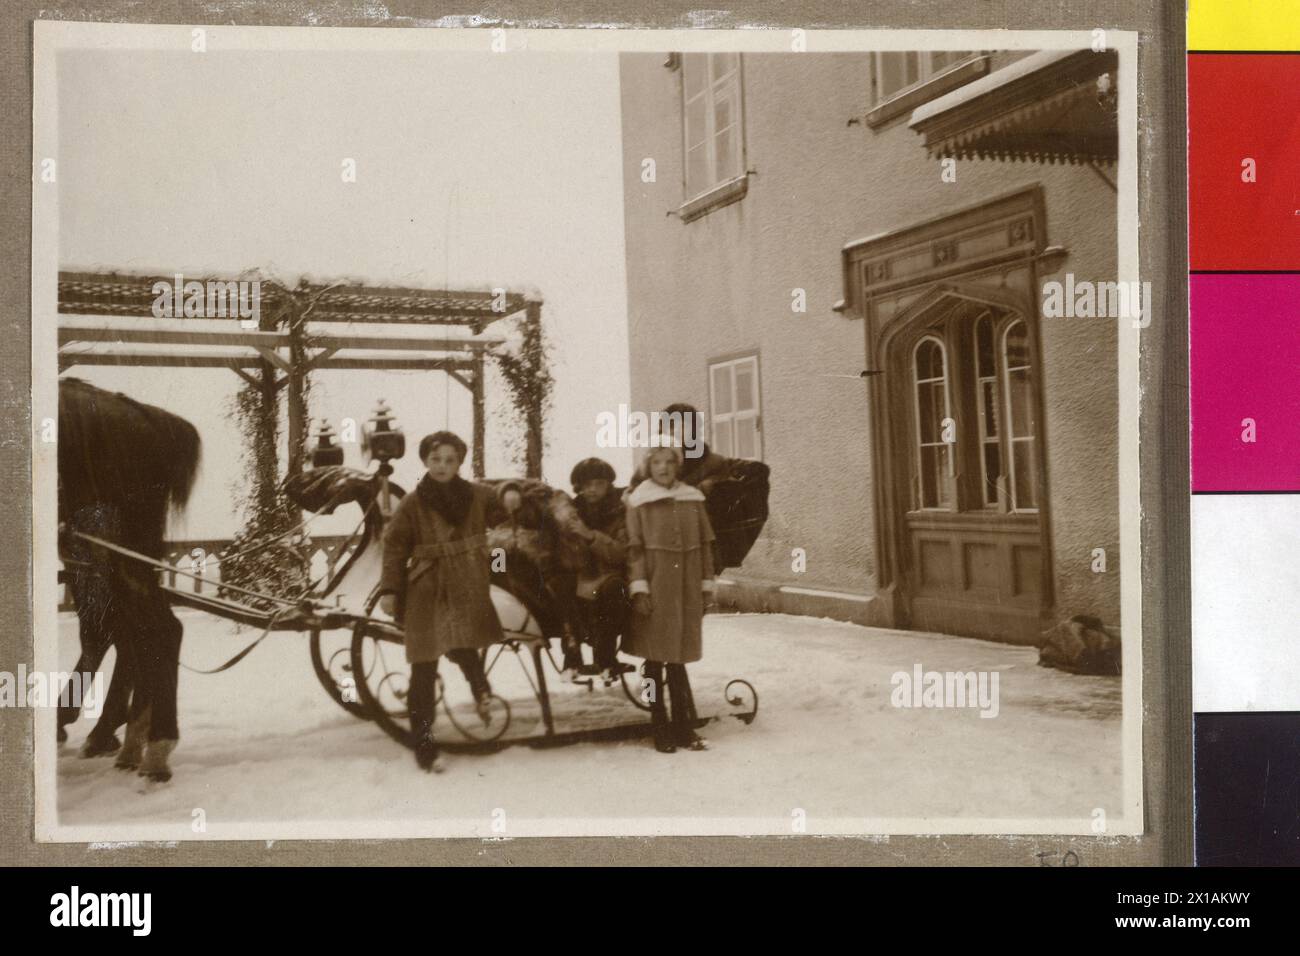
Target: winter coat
441,574
670,557
736,492
605,555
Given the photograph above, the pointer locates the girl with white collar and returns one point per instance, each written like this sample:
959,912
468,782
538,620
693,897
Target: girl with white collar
670,565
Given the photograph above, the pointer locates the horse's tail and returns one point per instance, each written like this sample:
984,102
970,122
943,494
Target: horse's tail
184,449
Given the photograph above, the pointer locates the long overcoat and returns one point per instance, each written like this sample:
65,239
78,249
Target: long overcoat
670,557
441,573
735,491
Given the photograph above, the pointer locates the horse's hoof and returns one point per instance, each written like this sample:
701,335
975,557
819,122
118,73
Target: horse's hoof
98,747
129,757
154,765
63,735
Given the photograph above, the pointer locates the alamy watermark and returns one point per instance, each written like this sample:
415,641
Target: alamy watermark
946,689
81,689
212,299
631,429
75,908
1084,299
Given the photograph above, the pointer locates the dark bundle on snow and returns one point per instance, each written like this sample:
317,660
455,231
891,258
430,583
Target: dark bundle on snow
1082,645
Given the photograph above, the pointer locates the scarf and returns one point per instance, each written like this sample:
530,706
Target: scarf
600,514
450,499
649,491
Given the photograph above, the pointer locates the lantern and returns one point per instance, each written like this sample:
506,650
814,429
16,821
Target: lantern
381,439
325,453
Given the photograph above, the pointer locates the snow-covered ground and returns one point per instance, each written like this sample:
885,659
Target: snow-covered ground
266,754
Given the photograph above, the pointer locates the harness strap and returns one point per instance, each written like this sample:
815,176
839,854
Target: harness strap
164,566
234,660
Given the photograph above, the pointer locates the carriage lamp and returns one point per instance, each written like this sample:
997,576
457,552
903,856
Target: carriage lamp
325,452
381,439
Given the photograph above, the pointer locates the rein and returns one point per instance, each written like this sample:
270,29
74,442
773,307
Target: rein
288,606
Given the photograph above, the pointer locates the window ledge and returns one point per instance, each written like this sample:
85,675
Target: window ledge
723,194
945,82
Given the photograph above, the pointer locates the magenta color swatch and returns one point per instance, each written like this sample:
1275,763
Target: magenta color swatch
1245,363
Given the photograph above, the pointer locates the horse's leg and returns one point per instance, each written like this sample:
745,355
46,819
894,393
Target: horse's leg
163,667
137,732
93,636
69,713
103,739
131,665
107,628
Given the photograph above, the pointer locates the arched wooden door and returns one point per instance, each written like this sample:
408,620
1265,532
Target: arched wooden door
964,419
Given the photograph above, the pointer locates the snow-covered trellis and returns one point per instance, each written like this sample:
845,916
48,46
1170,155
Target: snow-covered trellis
289,341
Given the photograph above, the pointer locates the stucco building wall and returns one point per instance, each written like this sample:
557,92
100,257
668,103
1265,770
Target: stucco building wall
723,284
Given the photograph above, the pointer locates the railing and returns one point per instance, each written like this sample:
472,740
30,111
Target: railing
202,557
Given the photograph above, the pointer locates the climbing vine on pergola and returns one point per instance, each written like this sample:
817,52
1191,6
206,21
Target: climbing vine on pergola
295,337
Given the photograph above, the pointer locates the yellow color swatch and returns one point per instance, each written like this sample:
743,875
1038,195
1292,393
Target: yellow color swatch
1243,25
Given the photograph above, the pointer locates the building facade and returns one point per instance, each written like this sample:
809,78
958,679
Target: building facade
840,259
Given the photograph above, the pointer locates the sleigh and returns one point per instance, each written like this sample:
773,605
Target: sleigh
359,657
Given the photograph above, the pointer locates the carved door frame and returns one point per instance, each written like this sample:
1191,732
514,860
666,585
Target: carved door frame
990,253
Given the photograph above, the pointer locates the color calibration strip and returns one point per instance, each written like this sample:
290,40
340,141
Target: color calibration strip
1243,116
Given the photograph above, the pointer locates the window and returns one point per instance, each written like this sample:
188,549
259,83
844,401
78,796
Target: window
987,404
713,137
1020,418
933,412
904,80
895,72
974,417
734,399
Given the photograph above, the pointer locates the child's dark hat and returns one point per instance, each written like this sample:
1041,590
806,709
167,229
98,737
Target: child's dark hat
589,469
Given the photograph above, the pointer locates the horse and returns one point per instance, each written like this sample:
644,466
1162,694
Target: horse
123,466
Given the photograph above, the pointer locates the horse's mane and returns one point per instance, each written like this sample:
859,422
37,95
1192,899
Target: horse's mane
125,456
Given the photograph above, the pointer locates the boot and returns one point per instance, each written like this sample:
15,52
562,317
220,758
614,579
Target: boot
427,757
471,666
663,729
420,700
571,667
483,705
684,717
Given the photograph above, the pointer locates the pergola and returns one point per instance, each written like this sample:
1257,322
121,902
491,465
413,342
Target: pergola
298,333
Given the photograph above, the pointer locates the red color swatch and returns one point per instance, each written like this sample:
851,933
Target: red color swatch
1244,106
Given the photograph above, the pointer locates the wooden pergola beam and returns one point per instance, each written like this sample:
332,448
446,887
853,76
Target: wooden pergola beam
250,379
398,364
131,295
274,357
67,359
69,334
455,367
478,463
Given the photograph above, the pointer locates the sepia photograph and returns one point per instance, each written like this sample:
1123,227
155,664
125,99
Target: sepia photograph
584,433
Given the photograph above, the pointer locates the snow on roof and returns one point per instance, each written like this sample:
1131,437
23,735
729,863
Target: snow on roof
986,84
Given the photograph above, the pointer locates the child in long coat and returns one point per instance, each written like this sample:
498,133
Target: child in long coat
670,563
436,577
600,611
